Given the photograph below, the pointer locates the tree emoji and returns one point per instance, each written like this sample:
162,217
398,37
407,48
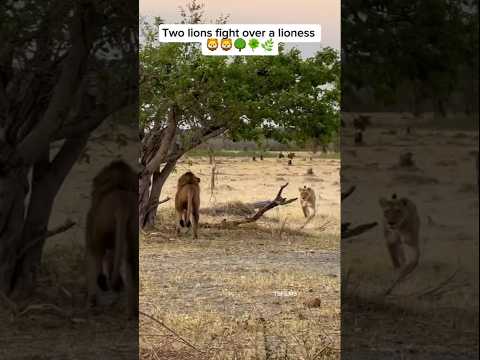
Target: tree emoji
240,44
254,43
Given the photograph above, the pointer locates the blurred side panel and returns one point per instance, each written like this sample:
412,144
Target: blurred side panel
409,179
68,109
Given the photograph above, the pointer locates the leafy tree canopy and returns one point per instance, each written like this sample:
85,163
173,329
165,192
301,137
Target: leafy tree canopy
425,42
284,97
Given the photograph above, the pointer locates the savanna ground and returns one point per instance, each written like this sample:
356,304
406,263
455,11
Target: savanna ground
250,292
433,314
53,323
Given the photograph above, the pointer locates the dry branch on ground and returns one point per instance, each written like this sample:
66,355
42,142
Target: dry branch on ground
348,232
277,201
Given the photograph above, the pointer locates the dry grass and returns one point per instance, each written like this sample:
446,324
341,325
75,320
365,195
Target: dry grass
240,293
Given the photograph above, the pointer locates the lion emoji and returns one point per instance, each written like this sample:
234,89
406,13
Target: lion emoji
212,44
227,44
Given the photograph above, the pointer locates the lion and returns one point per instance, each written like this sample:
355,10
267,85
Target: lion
401,227
307,201
226,44
187,202
111,234
212,44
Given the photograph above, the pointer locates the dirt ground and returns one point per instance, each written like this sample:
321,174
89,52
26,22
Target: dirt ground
53,324
434,312
246,292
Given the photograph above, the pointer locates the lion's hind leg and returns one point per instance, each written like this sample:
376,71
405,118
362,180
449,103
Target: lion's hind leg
94,267
196,218
179,223
397,254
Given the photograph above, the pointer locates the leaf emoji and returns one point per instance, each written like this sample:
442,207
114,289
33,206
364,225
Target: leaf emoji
268,45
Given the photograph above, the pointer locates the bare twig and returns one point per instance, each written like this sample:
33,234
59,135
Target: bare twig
58,230
357,230
157,203
346,232
164,201
405,273
440,285
434,289
212,179
278,201
282,228
181,339
347,193
9,303
42,307
324,226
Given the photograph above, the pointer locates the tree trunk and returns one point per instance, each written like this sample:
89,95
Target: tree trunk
159,178
416,100
28,257
439,107
153,155
144,182
13,190
22,236
149,194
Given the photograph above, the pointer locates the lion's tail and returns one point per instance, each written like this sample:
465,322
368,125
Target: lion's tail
189,209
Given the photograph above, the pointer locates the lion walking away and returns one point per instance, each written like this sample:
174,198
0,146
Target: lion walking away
112,234
187,202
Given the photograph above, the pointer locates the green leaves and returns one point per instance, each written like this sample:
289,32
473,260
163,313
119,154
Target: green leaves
240,44
414,47
268,45
253,43
283,97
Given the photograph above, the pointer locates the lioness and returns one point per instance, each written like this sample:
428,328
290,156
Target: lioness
307,201
401,226
112,233
187,202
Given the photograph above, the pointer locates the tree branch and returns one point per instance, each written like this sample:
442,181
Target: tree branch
347,193
155,204
65,159
164,201
58,230
166,141
360,229
346,232
63,93
278,201
181,339
196,140
62,228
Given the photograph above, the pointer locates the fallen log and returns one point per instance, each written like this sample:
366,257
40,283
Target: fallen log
267,206
259,204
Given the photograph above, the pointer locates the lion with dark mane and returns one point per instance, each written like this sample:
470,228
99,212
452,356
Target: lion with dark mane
187,202
112,234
